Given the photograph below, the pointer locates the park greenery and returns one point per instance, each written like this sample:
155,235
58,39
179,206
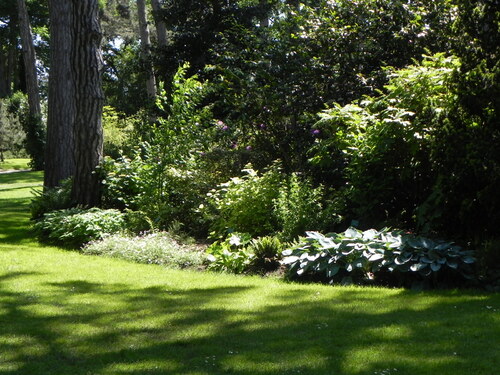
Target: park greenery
65,312
337,141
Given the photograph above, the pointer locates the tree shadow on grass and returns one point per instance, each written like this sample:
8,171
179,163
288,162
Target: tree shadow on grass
81,327
14,222
20,178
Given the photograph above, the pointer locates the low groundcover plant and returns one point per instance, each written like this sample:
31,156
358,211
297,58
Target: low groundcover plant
151,248
386,256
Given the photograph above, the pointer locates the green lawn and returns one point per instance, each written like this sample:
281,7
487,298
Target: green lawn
14,164
62,313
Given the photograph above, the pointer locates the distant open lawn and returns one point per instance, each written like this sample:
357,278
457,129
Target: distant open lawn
14,164
62,313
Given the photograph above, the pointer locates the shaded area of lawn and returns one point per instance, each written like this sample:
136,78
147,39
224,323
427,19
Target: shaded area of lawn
15,194
62,313
80,326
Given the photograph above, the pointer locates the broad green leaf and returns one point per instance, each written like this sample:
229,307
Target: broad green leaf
418,266
352,233
290,259
375,257
435,267
469,259
332,270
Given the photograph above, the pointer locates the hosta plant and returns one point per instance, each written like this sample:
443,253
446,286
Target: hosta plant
231,254
386,256
74,227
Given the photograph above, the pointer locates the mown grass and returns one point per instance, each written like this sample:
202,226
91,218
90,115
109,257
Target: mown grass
14,164
65,313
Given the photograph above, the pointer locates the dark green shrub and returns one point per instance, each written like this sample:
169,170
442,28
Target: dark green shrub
299,207
387,145
267,253
51,199
162,195
33,127
12,134
378,256
75,226
118,132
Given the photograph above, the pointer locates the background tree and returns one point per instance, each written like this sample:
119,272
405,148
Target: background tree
35,131
146,48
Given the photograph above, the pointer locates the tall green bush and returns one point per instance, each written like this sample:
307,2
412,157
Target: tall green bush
246,203
299,207
388,143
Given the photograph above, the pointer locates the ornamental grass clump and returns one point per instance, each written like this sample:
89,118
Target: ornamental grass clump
385,257
151,248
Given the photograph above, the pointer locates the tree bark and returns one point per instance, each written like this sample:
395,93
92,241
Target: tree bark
146,48
4,86
29,60
264,19
161,27
87,67
59,157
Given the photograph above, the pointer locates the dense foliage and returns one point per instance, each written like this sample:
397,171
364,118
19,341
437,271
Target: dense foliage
385,256
274,118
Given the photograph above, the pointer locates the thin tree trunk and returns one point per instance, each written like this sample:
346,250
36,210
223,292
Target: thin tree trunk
12,60
87,67
264,20
4,91
146,48
59,157
29,60
161,27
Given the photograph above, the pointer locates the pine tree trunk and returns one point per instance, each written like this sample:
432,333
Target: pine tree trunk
87,67
146,48
29,60
4,87
161,27
59,148
264,20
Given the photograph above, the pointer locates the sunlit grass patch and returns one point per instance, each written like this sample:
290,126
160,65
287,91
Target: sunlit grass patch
14,164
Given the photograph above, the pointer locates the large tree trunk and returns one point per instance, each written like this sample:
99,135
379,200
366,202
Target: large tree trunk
29,60
146,48
59,157
161,27
87,68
